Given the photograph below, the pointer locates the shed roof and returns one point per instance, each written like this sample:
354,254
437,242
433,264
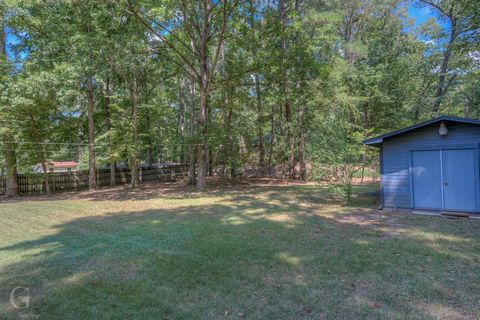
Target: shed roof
62,164
376,141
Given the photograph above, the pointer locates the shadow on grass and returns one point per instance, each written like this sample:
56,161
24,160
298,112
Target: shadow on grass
289,257
217,187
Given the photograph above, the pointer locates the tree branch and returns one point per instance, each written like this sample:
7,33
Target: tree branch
450,81
436,6
225,15
164,39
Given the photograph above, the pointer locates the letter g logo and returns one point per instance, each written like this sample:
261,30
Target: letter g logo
20,298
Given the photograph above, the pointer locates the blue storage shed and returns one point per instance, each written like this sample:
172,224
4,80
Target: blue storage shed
433,165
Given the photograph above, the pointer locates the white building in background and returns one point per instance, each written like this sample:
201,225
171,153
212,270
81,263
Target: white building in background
57,166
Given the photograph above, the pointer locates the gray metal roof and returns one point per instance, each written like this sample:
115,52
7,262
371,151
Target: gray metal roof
376,141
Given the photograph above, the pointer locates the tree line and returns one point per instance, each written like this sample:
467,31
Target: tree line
289,86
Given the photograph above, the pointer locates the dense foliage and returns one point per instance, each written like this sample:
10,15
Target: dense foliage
286,87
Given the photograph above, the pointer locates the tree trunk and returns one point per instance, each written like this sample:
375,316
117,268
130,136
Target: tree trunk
43,156
108,124
418,103
210,161
192,162
92,170
134,156
242,146
149,158
192,148
227,148
11,189
466,107
442,87
204,99
272,140
10,156
302,174
45,174
301,145
80,149
258,96
149,146
261,149
202,147
291,147
288,108
180,131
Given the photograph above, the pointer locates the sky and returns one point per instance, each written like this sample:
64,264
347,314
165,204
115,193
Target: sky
420,13
10,40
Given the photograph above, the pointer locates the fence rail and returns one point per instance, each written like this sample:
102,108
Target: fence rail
32,184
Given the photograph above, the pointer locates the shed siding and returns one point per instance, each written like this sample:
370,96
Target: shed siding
396,184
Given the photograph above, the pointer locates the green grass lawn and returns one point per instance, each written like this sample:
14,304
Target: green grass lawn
249,251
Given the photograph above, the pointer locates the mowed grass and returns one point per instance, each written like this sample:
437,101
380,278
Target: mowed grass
248,251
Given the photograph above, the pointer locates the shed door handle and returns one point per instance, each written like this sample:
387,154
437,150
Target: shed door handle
445,183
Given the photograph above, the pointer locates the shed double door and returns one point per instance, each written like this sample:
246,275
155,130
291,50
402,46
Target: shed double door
444,179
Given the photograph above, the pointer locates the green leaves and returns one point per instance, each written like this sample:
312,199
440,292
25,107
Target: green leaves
322,77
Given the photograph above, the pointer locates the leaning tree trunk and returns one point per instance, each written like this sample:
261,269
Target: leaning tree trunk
92,170
442,87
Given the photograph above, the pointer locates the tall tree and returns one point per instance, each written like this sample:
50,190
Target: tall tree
7,131
461,21
92,167
106,94
203,24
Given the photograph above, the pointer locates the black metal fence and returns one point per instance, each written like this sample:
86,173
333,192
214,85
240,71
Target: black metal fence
33,183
